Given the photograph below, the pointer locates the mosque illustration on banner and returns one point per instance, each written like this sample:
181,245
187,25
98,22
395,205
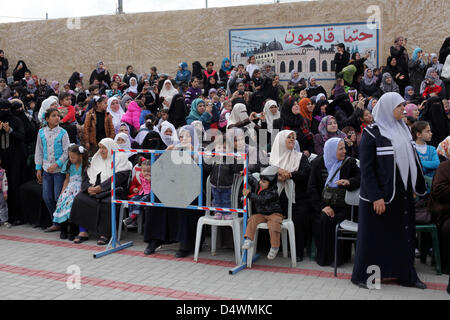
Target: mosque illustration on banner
308,59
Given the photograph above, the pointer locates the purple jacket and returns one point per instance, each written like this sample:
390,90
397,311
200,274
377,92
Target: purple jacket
192,94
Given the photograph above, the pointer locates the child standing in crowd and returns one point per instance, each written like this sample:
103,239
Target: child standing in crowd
3,198
143,192
51,153
421,133
264,194
73,169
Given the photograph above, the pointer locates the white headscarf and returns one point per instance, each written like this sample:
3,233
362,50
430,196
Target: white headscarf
131,88
269,115
282,157
168,93
45,106
238,114
397,131
172,139
126,145
117,116
98,165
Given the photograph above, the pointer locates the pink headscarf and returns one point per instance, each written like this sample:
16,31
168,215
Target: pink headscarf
410,108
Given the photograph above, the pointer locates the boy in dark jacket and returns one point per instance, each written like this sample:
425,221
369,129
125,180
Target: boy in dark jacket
268,209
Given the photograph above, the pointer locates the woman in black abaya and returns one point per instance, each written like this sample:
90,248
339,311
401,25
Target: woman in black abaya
390,174
91,209
169,225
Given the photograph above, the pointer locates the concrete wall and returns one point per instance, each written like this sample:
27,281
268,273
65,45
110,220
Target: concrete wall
163,39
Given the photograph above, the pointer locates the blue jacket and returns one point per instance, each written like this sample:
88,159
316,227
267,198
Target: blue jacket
429,160
378,167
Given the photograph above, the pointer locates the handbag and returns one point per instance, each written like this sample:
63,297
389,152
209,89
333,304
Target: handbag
333,196
423,216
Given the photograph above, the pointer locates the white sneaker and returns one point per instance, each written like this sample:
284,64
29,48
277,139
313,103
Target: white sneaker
272,253
247,244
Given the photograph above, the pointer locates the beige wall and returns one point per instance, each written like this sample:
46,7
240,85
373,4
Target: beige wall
164,39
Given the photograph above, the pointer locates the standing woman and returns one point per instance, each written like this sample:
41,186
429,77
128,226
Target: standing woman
391,173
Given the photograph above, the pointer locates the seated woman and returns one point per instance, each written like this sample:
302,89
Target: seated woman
168,225
335,170
328,128
91,209
207,114
293,165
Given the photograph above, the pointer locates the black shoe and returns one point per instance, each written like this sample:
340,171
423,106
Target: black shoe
181,254
63,235
151,247
418,284
18,222
71,237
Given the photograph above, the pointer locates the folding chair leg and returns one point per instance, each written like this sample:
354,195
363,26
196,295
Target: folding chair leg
436,250
197,239
140,220
335,249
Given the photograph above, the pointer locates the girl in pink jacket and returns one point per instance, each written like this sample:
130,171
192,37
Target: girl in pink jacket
132,115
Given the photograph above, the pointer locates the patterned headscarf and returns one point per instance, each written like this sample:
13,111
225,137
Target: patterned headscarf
443,148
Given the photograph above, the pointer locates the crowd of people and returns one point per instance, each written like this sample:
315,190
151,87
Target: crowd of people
384,131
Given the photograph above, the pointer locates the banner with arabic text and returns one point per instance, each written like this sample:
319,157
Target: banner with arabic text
310,50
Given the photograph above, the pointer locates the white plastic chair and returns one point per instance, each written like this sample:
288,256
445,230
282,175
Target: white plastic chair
287,226
208,219
349,228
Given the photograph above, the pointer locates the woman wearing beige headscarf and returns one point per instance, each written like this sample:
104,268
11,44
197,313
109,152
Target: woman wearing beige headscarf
293,165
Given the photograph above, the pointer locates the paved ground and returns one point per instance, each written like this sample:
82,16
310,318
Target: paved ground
34,265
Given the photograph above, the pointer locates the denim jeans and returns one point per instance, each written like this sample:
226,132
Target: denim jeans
52,184
221,197
134,209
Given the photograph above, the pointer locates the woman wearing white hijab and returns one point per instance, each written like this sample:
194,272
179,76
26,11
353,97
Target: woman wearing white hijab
169,139
91,210
270,115
168,90
293,165
391,172
123,141
326,216
115,111
132,90
50,102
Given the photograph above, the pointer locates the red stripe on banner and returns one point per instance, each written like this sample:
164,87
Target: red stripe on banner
118,201
133,150
121,150
129,202
142,203
218,209
146,151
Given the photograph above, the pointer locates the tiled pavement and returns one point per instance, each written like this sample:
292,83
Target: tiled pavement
34,265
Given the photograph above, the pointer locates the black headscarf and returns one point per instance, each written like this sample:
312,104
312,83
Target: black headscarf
197,69
19,74
434,114
286,115
177,111
445,50
343,102
5,110
153,141
74,78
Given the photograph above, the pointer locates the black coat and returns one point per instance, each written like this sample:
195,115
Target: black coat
341,61
267,201
319,175
102,76
222,174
